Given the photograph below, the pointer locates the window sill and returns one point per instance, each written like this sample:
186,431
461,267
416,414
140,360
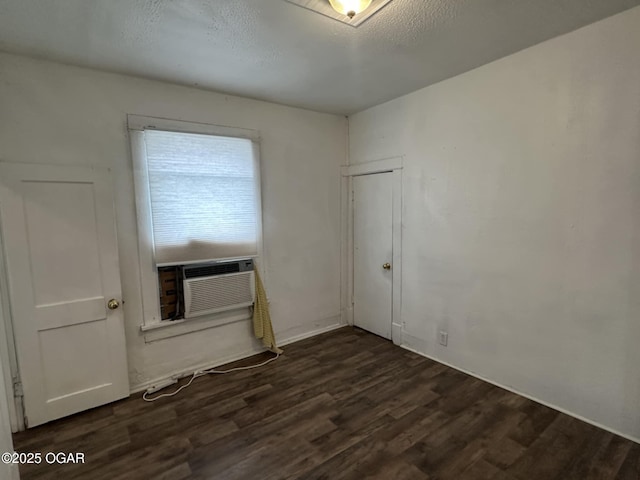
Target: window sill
154,332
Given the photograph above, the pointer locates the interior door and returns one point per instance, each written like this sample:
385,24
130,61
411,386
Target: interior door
58,227
373,252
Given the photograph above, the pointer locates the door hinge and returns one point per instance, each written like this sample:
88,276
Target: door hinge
17,388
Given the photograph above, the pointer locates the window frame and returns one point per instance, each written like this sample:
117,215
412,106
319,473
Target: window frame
136,125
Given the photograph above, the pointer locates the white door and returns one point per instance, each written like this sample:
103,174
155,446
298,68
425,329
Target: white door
373,252
58,227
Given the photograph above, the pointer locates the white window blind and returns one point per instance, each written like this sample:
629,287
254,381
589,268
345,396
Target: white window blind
202,196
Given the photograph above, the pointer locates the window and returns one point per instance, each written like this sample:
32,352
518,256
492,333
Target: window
202,196
197,198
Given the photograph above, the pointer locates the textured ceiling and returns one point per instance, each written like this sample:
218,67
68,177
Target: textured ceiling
273,50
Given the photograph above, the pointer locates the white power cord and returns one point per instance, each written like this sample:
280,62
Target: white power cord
200,373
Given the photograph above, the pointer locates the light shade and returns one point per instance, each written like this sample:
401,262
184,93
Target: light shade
203,196
350,8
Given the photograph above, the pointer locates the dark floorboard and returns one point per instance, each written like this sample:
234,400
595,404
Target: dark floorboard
344,405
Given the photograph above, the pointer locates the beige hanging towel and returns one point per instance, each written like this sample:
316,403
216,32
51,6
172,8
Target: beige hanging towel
262,327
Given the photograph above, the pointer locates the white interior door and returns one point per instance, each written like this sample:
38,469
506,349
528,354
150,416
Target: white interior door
373,252
58,227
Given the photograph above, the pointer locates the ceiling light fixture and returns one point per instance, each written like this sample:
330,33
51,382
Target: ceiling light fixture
340,10
350,8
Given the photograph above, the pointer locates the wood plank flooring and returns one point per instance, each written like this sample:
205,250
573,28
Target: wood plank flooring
344,405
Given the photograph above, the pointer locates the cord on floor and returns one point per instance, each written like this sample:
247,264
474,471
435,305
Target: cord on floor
200,373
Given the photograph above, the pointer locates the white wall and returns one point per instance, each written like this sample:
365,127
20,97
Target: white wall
521,218
51,113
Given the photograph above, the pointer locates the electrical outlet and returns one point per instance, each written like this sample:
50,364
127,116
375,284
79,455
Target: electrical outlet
444,338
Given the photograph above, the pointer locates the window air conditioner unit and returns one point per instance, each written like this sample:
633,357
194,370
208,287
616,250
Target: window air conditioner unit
217,287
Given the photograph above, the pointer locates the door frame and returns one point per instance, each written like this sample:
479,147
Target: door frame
8,352
394,166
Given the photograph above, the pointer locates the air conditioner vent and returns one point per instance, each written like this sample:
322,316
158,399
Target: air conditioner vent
217,287
210,270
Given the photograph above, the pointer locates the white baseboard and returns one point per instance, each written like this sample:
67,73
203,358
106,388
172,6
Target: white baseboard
396,334
302,336
186,372
526,395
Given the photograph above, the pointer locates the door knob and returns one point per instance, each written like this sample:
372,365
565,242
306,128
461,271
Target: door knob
113,304
386,266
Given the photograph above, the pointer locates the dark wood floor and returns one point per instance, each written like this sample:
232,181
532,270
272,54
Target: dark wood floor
345,405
